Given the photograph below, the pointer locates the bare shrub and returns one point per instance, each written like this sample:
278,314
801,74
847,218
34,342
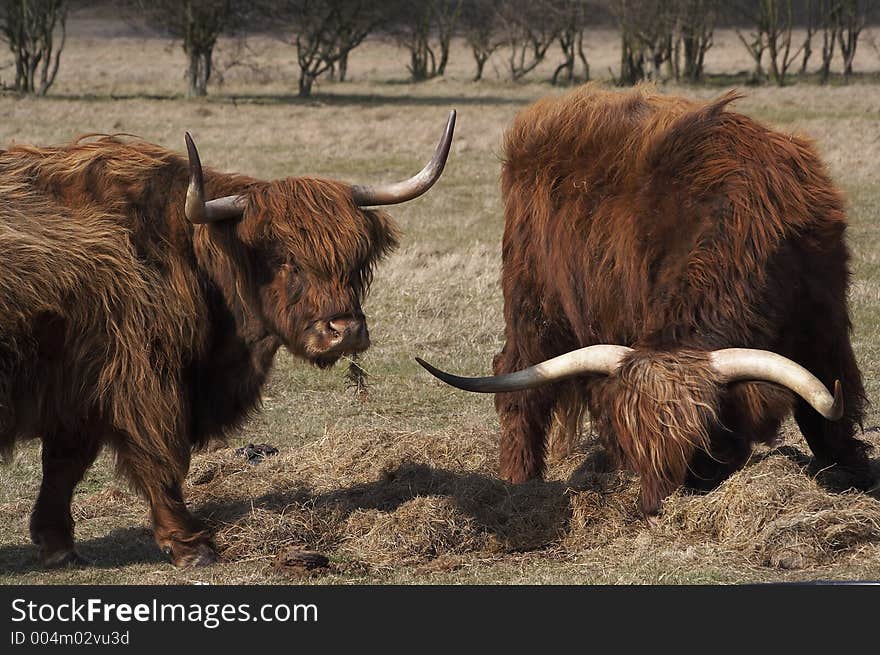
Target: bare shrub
324,32
530,27
573,17
35,31
479,25
425,29
771,30
197,24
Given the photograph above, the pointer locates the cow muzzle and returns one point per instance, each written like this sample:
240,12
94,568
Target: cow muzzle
340,335
348,333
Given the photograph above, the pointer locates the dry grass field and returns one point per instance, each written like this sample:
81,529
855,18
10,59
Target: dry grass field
399,485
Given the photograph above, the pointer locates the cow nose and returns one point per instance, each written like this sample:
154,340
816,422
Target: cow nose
349,330
346,325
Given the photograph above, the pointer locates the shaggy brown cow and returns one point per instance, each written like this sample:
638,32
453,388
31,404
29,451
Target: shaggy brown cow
136,315
683,230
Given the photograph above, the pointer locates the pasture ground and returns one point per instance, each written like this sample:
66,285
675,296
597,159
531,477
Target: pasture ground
399,485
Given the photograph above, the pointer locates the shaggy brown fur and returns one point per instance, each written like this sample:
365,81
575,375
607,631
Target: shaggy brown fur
659,406
674,227
123,324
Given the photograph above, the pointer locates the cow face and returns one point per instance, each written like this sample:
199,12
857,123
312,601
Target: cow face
309,250
314,256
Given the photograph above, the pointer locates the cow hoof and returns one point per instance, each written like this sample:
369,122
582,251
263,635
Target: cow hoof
193,556
864,481
857,476
63,558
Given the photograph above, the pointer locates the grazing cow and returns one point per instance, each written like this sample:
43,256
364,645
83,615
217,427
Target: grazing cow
136,314
658,248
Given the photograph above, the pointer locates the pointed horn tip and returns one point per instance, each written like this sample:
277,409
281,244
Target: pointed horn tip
465,384
450,128
446,378
190,145
415,186
195,162
425,365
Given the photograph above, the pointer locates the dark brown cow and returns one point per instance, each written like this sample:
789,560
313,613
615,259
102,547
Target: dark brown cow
686,232
137,315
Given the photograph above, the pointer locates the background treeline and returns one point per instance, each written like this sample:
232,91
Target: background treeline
659,39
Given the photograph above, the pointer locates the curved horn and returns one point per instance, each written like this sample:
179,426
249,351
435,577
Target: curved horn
391,194
196,209
731,365
739,364
601,358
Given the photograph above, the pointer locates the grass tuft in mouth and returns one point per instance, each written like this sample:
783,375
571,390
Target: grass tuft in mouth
356,379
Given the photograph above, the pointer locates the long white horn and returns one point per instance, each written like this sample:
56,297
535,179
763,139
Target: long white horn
391,194
603,358
742,364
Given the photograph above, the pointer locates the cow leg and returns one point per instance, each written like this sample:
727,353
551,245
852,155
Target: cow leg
66,458
175,529
834,442
525,418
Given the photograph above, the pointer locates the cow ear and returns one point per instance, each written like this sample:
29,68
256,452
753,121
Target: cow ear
384,233
690,140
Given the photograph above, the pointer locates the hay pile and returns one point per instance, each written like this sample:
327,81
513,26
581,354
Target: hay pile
379,499
420,529
386,499
775,514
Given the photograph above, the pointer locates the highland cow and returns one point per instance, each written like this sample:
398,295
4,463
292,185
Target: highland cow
135,314
683,269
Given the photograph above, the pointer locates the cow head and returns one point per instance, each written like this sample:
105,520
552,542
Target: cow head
310,247
728,365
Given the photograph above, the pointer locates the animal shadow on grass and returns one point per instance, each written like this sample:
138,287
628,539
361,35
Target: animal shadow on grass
521,517
120,547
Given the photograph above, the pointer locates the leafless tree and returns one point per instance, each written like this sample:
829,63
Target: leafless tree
425,28
780,24
647,32
197,24
632,56
479,26
529,27
35,31
756,41
324,32
811,24
573,17
853,16
772,24
696,27
662,39
829,21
